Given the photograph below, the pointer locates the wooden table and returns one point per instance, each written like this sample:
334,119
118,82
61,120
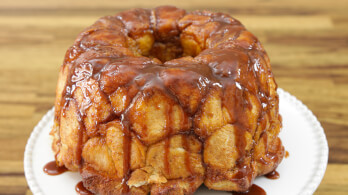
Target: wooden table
307,42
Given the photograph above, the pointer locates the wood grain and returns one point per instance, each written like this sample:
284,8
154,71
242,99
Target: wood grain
307,42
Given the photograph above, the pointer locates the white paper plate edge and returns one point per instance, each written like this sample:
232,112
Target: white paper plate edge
318,130
28,170
309,188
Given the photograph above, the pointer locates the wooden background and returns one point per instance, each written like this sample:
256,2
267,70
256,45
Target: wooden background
307,42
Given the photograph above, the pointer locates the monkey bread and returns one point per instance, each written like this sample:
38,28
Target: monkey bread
161,101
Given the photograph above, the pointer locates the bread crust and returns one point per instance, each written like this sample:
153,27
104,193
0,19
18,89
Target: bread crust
160,101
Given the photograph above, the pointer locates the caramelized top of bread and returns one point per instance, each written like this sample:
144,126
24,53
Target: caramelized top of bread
163,100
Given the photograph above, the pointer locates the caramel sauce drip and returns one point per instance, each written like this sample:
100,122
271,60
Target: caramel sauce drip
80,144
51,168
81,190
168,127
166,156
287,154
273,175
187,154
126,157
253,190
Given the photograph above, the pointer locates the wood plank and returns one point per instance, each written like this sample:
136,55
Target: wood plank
195,4
308,22
334,182
13,185
11,167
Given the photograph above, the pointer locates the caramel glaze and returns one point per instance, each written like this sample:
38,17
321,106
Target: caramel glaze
187,157
287,154
273,175
253,190
168,127
237,66
52,168
81,190
126,157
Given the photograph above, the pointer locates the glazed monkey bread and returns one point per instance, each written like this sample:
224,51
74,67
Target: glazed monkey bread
160,101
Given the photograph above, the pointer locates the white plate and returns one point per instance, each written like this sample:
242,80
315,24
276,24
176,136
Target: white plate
300,173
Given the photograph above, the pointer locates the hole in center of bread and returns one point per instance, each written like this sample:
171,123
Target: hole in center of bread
164,50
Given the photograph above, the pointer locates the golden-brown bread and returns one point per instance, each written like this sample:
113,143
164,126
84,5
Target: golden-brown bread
160,101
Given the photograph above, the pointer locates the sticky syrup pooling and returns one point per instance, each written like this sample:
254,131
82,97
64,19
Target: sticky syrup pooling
161,54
